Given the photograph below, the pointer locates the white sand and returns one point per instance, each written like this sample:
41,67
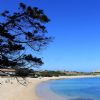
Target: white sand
10,89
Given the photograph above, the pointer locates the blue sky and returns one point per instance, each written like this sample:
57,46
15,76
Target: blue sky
75,24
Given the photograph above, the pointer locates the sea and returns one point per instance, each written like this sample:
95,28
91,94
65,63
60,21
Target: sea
70,89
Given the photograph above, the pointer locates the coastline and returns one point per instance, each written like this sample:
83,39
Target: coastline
10,89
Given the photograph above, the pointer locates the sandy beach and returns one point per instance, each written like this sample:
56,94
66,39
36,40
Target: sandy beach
10,89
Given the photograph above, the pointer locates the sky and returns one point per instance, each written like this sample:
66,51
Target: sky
75,24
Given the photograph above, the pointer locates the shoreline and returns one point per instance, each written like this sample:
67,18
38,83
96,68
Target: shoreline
10,89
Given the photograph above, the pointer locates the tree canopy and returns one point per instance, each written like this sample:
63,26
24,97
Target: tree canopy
19,31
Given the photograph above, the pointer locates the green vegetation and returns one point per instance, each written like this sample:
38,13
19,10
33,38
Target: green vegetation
48,73
95,73
23,72
51,73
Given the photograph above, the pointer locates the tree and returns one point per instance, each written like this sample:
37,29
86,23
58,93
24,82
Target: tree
20,31
24,72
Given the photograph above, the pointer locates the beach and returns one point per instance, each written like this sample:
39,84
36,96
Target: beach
11,89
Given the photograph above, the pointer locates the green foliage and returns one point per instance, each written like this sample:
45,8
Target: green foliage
65,73
51,73
23,72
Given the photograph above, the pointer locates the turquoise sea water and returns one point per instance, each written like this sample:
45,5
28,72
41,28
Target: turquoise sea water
74,89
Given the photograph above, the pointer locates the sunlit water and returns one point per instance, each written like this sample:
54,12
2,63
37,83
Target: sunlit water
72,89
